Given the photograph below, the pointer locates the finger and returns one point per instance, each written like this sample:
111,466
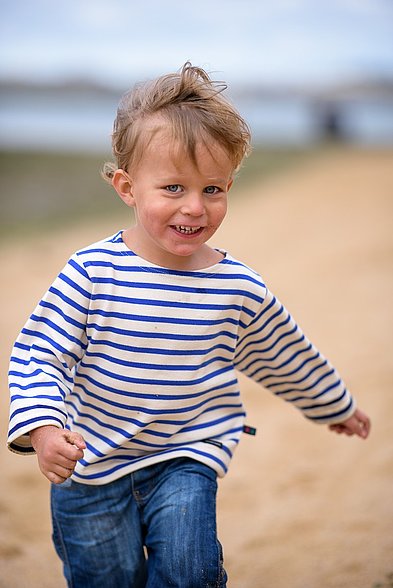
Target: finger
75,439
367,428
365,423
363,429
337,428
69,449
62,472
54,478
65,462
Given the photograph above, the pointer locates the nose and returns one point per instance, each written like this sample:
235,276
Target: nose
193,204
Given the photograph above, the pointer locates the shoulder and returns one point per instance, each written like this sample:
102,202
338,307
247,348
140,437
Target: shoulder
103,253
242,271
109,247
246,279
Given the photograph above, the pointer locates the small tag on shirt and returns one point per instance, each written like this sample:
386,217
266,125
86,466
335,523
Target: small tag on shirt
249,430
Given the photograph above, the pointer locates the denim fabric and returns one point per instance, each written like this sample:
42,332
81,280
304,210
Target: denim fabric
170,508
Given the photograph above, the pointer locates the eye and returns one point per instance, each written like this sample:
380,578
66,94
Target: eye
212,190
173,188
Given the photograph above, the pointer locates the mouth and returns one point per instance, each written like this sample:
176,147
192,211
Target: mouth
186,230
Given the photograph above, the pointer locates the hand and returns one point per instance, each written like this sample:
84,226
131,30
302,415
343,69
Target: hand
57,450
358,424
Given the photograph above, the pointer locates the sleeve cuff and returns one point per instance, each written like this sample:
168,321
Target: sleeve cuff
22,445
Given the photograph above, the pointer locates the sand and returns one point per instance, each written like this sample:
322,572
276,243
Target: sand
301,507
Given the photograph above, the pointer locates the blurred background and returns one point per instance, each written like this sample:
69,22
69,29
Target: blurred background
303,74
311,210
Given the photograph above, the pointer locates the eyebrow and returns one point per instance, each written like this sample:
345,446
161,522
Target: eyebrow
175,178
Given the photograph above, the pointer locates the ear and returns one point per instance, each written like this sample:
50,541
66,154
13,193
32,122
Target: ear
123,186
230,184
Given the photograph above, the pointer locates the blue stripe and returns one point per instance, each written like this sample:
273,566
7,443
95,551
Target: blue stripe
32,360
161,350
74,285
298,369
64,316
326,403
169,272
151,381
45,350
208,424
291,383
22,346
173,288
156,335
78,268
95,434
163,319
266,309
55,327
37,406
332,415
158,366
16,397
144,396
35,385
52,342
173,423
268,337
272,368
336,384
257,342
34,420
106,251
263,326
150,411
33,374
68,300
313,385
171,303
268,360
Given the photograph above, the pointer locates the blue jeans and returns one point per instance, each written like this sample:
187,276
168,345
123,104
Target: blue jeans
154,528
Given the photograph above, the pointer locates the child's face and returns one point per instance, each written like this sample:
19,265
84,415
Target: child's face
179,205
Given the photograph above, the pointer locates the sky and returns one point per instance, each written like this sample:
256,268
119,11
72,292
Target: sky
296,42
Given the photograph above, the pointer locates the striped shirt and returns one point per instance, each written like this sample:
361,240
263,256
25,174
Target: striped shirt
141,361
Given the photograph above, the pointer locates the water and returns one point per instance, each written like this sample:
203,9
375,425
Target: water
42,121
82,120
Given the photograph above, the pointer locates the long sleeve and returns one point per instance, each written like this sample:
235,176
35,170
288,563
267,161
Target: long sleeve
273,351
44,355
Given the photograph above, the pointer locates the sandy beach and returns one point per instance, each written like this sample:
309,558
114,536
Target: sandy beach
300,507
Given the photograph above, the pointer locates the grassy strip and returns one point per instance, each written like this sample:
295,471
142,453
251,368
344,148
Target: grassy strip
45,190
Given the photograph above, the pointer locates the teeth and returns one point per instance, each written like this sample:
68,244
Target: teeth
186,230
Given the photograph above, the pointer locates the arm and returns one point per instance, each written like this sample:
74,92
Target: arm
273,351
49,346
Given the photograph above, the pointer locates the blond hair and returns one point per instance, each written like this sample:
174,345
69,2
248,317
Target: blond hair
194,107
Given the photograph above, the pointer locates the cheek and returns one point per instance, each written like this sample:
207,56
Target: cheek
154,215
147,209
220,211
